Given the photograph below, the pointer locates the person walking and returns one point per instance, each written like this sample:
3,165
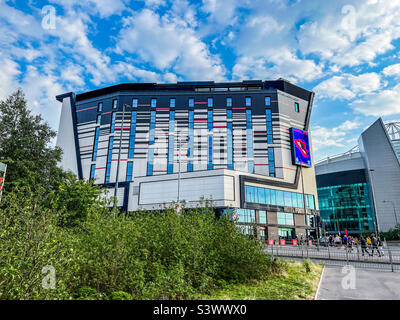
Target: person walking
338,241
345,238
368,239
380,245
363,243
331,240
374,242
350,244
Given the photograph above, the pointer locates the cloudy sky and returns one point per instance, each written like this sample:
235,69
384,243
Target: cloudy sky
345,51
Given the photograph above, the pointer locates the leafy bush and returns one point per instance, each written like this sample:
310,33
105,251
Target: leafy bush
120,295
144,255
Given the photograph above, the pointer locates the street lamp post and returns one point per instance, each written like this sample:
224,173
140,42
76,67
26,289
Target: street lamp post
394,209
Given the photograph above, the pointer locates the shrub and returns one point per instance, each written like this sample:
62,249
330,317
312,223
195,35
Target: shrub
120,295
144,255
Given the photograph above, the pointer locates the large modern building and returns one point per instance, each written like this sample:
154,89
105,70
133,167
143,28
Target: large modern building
155,144
360,190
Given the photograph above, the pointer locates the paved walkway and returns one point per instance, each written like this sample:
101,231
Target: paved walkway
358,284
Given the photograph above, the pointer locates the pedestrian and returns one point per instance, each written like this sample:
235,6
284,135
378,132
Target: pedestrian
374,242
331,240
350,244
338,240
380,245
345,238
368,240
363,243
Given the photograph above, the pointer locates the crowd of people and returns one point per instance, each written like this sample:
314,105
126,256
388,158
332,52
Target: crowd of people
370,243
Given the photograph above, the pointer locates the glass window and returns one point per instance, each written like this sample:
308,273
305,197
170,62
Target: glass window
300,203
263,216
100,107
115,103
294,200
129,171
98,120
134,103
271,162
248,101
279,198
267,101
296,107
273,197
153,103
92,171
268,196
261,196
191,102
210,102
113,115
288,199
285,218
310,201
229,102
172,103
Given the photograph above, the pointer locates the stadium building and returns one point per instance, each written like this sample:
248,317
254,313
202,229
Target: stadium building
243,145
359,190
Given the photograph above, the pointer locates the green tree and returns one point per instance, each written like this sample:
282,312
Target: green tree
73,200
25,145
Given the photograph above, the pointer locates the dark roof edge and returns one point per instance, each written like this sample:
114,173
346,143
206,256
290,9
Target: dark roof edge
280,84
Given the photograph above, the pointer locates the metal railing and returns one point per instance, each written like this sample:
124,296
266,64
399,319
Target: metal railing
385,258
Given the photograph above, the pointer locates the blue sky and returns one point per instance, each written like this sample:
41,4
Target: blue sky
345,51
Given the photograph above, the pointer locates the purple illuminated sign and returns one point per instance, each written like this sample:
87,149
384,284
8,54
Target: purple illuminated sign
300,147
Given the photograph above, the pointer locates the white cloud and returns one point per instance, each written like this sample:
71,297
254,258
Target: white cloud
339,136
8,76
280,63
167,44
104,8
392,70
382,103
348,86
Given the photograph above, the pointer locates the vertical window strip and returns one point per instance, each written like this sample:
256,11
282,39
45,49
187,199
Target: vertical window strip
170,168
100,107
296,107
113,115
210,102
268,117
98,119
267,101
229,138
210,140
151,142
248,101
92,171
96,143
115,103
153,103
109,159
129,171
191,102
131,150
191,141
172,103
249,127
271,162
134,103
229,102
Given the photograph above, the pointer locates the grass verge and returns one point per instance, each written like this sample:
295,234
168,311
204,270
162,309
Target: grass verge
298,282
